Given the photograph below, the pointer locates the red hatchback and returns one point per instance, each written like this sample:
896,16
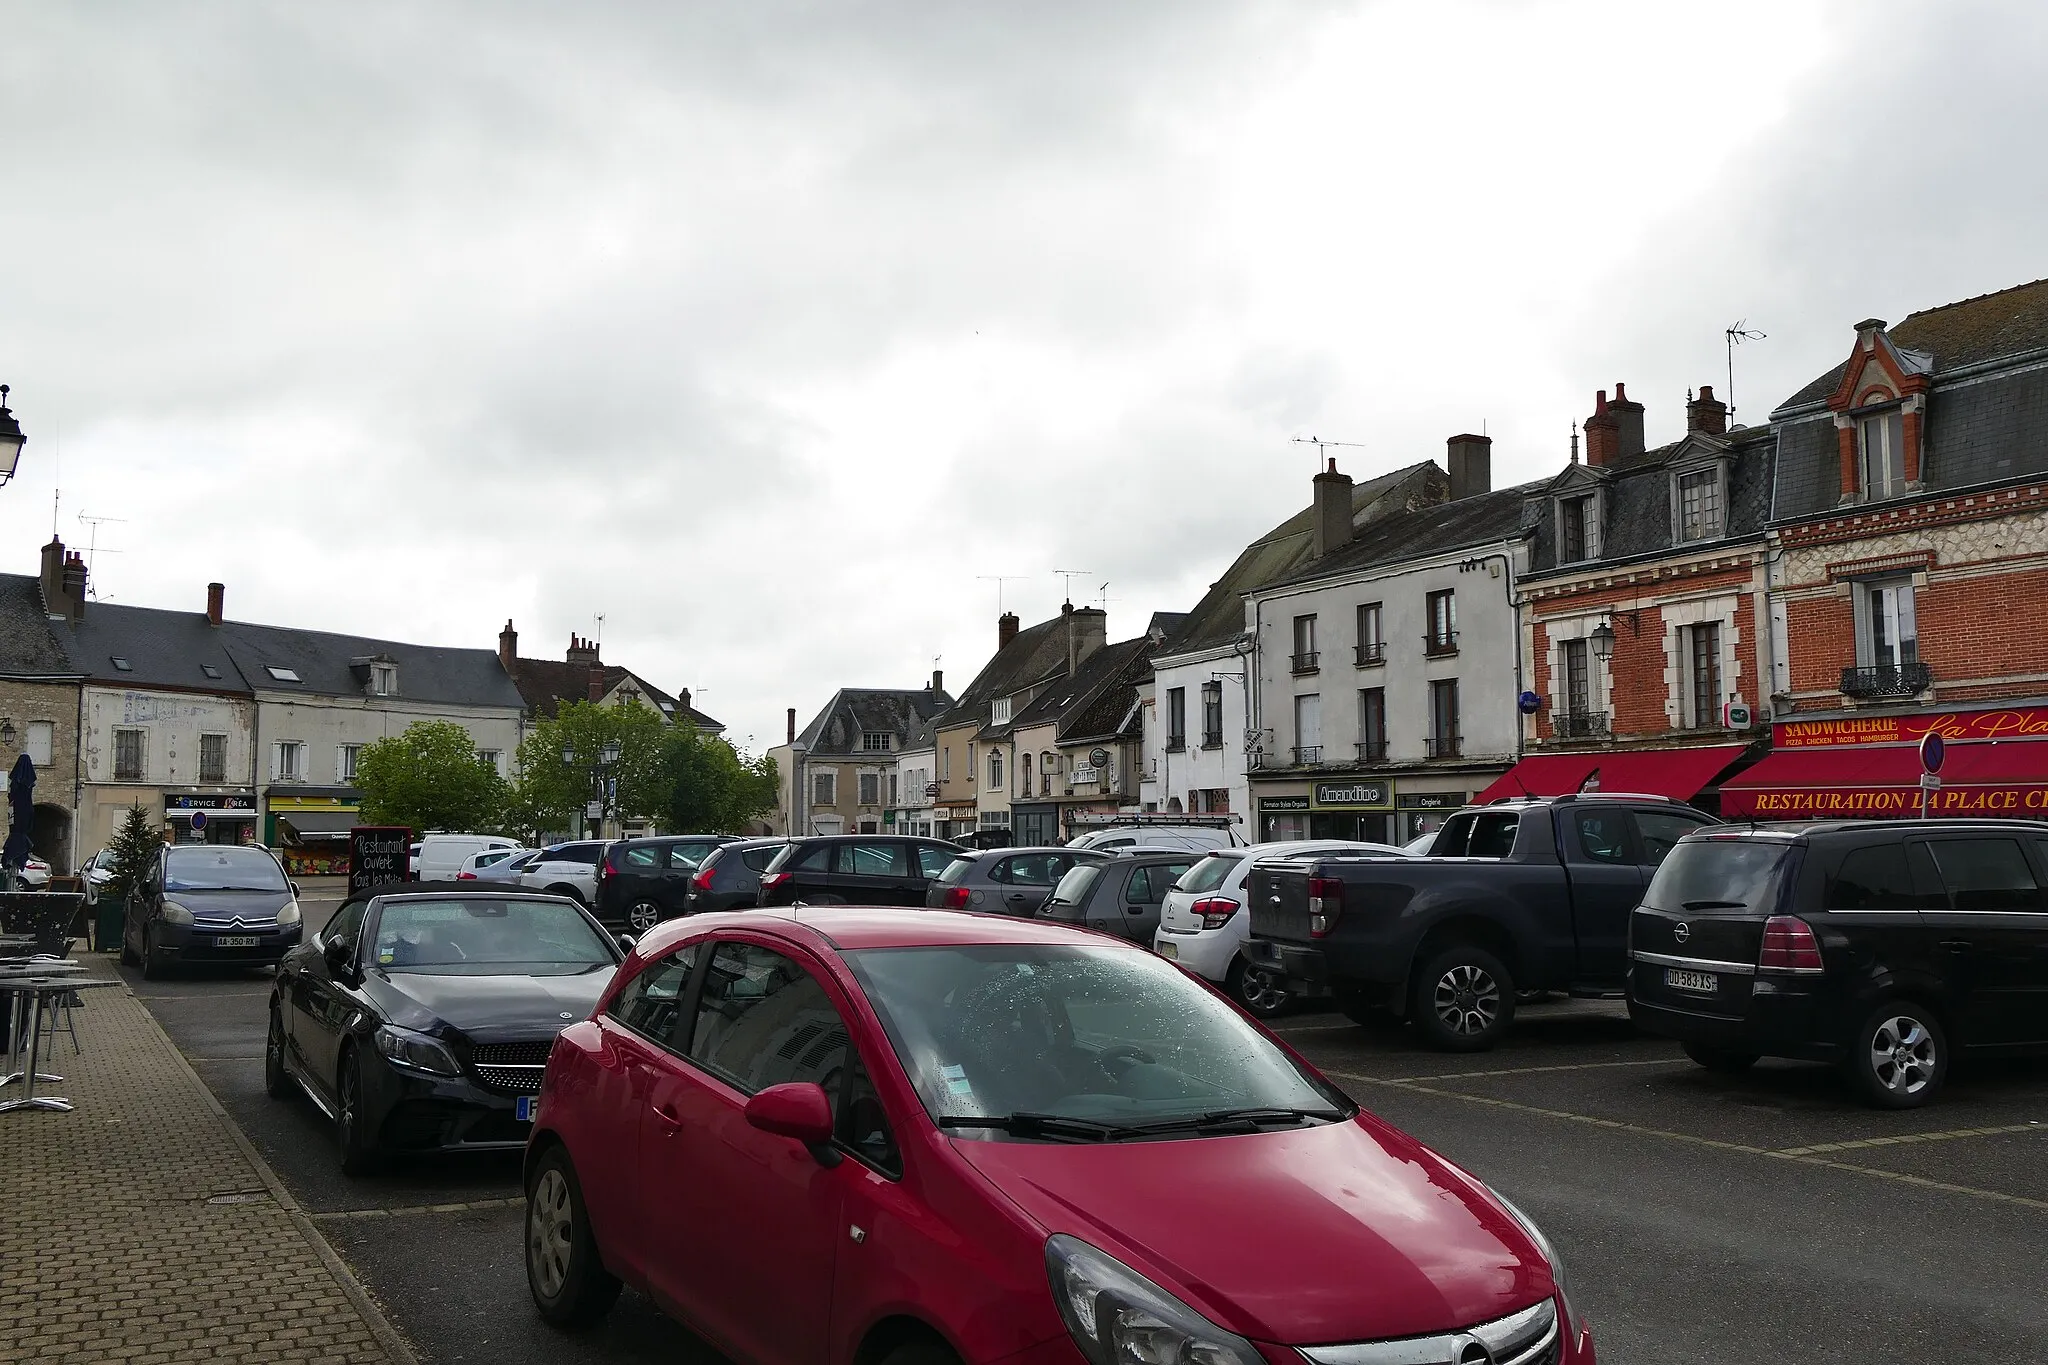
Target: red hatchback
844,1136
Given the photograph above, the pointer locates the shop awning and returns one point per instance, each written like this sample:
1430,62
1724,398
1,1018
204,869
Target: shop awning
1996,778
1676,773
317,824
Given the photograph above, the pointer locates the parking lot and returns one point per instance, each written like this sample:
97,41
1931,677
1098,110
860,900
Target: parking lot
1701,1217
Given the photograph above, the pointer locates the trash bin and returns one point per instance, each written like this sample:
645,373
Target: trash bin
106,925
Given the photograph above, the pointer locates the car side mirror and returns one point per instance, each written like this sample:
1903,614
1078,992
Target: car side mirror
340,956
800,1110
627,942
295,889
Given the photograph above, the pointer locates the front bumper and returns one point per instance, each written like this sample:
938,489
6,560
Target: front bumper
198,943
411,1111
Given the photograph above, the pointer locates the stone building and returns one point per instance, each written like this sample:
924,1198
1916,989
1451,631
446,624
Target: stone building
39,708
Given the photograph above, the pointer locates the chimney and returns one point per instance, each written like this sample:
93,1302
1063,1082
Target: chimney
1603,440
74,585
1629,417
792,726
581,651
1706,414
597,682
682,700
938,682
216,599
508,646
1006,628
1471,465
1331,517
1087,630
53,579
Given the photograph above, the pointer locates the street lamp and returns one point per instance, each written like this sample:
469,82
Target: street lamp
609,754
11,439
1603,642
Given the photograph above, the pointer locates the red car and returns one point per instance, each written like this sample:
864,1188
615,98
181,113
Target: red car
846,1136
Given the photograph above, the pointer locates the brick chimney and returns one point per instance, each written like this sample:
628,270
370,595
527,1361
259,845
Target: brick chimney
1628,414
216,601
1330,519
581,651
508,646
53,579
1706,414
938,683
1006,628
1603,433
792,726
682,700
74,585
597,682
1470,461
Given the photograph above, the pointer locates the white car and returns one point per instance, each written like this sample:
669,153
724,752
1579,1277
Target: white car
441,856
496,864
35,876
567,869
1194,838
1419,846
1203,924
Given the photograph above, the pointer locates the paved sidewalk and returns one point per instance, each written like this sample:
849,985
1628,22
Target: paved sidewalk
141,1228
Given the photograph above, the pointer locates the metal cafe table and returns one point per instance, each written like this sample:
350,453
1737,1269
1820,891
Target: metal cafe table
31,984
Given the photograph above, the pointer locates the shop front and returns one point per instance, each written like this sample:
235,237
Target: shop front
211,817
956,822
308,830
1352,808
1283,816
1035,825
1995,764
1684,774
1424,812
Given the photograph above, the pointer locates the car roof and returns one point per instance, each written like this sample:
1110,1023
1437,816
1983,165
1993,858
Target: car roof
1793,830
468,891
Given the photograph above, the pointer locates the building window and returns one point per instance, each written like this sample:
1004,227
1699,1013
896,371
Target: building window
1703,667
995,769
1212,715
1372,725
1176,719
870,789
213,758
345,762
1699,505
875,741
384,679
1578,529
1443,623
1308,728
825,789
1046,767
1578,679
1881,449
281,673
494,757
1305,657
1444,740
946,764
1892,639
39,742
999,711
131,755
288,762
895,796
1372,639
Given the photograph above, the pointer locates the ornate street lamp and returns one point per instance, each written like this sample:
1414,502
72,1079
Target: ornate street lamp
1603,642
610,752
11,439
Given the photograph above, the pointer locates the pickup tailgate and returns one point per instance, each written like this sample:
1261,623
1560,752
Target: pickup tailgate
1277,893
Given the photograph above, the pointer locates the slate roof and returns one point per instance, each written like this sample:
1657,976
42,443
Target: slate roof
1636,506
546,684
1106,708
898,710
1035,654
28,646
169,649
1989,327
336,665
1477,520
1219,617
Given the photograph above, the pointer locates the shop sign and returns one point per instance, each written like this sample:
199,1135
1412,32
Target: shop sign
2023,722
1352,795
1275,803
2029,801
1430,800
377,855
223,804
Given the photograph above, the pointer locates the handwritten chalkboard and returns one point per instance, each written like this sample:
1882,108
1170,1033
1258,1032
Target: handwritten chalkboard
378,854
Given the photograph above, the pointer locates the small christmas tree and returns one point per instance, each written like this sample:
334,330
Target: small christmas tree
135,845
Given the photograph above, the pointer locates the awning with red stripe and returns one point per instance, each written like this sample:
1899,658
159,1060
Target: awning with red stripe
2008,777
1678,773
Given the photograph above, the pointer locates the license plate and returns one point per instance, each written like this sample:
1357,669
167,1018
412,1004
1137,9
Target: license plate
236,941
1705,983
522,1108
1168,950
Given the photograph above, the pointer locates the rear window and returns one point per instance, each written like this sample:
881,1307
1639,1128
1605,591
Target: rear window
759,858
1483,834
1208,874
1717,874
1073,888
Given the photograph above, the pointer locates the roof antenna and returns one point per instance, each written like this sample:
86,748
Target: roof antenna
999,579
1070,575
1319,443
1575,443
1737,334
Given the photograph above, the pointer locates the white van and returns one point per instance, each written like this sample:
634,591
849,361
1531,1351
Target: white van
1194,838
441,855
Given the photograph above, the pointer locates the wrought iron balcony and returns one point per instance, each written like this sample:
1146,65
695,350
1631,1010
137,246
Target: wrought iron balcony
1372,654
1306,754
1887,680
1443,746
1306,663
1372,751
1440,646
1580,725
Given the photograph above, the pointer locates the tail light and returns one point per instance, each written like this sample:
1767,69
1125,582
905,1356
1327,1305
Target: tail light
465,876
1789,946
1325,905
1215,911
701,880
605,869
771,881
956,898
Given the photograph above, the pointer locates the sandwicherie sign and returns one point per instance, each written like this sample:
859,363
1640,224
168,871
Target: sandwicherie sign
1957,727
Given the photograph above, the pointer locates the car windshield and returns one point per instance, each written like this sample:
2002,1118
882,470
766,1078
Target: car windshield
1073,888
1717,874
222,868
1208,874
1116,1040
495,936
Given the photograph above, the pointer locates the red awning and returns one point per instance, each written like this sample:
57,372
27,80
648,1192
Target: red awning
2008,777
1677,773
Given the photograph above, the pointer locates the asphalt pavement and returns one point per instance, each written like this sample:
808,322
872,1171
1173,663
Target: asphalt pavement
1701,1218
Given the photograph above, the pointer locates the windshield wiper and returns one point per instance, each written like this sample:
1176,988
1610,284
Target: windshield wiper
1249,1120
1026,1124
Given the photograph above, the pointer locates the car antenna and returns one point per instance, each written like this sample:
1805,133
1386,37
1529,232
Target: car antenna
1592,782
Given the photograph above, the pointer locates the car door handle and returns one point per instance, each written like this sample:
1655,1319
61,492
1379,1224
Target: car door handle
1957,945
668,1117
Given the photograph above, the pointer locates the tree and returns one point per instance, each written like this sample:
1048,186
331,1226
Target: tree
553,789
715,789
430,778
134,846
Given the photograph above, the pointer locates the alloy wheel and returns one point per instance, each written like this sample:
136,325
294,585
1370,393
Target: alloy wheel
349,1086
1467,1000
643,916
1260,993
1903,1056
550,1232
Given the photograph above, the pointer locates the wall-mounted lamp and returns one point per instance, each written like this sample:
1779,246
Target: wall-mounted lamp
6,734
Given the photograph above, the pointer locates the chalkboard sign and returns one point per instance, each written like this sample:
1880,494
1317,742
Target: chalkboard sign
378,854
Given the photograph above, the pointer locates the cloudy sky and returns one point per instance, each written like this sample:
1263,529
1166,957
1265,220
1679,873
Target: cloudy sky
767,329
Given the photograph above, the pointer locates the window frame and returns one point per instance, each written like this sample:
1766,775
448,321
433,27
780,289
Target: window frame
1446,745
1716,495
1702,640
1372,633
1372,724
867,789
1176,719
1578,677
829,778
1889,422
139,735
1440,616
1580,512
1212,710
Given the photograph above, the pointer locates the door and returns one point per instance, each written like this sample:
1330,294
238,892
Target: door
322,1005
872,872
1022,883
741,1226
1992,925
640,870
1877,897
1144,894
1604,865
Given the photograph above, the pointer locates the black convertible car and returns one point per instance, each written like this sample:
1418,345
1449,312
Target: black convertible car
422,1021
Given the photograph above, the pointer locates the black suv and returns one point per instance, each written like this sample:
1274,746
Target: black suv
1880,946
855,869
641,882
729,878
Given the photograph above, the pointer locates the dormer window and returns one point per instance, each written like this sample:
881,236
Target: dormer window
1881,453
1578,528
1700,505
384,680
875,742
999,711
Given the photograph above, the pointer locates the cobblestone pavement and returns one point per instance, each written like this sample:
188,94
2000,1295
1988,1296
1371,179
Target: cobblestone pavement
142,1228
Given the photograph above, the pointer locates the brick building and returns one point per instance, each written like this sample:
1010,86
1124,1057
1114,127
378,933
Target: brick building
1911,582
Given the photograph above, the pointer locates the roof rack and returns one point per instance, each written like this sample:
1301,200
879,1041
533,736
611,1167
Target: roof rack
1098,820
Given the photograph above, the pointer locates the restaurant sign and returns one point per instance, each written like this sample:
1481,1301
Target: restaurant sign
1869,803
1352,795
2023,722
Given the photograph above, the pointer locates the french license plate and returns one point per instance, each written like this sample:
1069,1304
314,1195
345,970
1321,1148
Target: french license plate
1703,983
522,1108
1168,950
236,941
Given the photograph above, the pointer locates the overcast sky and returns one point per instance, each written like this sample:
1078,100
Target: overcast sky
766,329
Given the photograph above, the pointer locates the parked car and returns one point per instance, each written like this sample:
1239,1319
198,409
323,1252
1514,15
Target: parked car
35,874
441,856
97,872
641,882
1203,924
489,860
1010,881
729,878
1885,947
1119,895
566,870
421,1021
1420,845
412,862
1524,895
855,869
229,904
1198,837
932,1138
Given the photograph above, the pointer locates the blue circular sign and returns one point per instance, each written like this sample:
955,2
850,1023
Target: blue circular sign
1933,749
198,820
1529,703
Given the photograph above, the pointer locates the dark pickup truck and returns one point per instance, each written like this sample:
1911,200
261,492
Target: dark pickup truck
1520,895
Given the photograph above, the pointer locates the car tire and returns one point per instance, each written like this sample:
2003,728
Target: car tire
642,916
1463,999
564,1272
359,1151
1898,1059
155,966
277,1082
1724,1060
1255,989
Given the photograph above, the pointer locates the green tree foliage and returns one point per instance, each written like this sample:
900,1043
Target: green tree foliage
552,789
431,778
715,789
135,846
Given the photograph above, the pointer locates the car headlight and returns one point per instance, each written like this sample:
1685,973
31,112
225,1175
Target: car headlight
1118,1317
1543,1245
416,1050
175,913
288,916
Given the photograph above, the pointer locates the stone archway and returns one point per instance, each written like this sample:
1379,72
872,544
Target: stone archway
50,837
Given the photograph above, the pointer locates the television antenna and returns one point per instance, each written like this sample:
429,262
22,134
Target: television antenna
999,579
599,640
92,547
1070,575
1736,335
1320,444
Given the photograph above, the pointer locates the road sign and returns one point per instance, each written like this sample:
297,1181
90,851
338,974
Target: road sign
1933,749
198,821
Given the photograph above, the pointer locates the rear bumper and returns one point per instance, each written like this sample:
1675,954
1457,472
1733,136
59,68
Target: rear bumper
1208,954
1299,964
1783,1017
